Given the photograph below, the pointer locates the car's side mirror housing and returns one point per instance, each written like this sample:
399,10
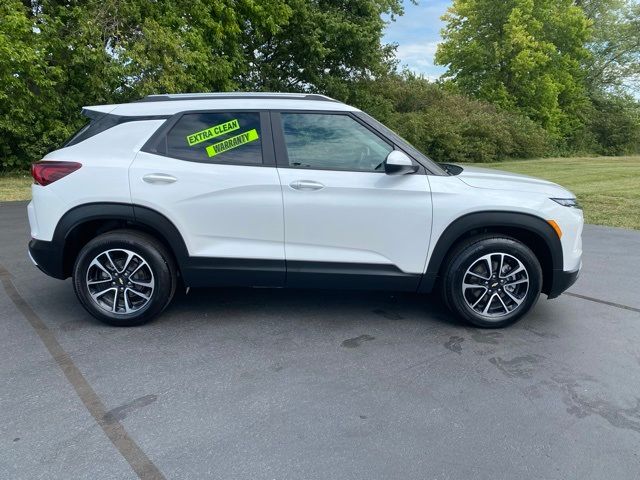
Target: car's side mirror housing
399,163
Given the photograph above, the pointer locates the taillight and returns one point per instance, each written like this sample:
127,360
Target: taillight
48,171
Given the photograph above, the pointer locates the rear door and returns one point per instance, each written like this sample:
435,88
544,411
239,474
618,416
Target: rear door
213,175
347,223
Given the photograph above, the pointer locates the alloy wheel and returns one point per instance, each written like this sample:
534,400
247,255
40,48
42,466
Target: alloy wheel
120,281
495,285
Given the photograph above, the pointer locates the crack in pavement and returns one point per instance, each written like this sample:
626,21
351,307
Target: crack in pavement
603,302
111,426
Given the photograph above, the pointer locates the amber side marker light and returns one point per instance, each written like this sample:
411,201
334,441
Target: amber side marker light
556,227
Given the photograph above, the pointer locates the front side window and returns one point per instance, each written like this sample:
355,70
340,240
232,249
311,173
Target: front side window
332,142
233,138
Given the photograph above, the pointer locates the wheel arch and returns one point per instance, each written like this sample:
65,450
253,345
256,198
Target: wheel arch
533,231
82,223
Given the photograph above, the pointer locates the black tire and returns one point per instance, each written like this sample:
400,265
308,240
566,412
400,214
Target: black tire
160,269
470,253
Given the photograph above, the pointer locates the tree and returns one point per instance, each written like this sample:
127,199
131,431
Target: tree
614,63
324,46
521,55
25,80
58,55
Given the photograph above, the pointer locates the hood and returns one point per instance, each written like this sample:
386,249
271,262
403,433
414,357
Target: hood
501,180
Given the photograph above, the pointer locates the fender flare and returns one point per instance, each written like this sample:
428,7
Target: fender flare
490,219
135,214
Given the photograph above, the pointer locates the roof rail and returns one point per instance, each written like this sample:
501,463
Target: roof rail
166,97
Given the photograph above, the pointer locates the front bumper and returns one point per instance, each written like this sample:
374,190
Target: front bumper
47,257
562,281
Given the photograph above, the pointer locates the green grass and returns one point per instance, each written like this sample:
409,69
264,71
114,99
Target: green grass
15,186
607,187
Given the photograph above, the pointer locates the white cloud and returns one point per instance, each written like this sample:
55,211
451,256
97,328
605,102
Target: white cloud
417,34
418,52
419,58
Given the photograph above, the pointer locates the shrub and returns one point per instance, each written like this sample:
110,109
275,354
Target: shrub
448,126
615,125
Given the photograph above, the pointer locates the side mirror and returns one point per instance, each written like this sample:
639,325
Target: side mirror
398,163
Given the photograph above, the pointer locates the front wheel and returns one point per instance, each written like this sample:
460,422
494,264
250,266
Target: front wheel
124,278
492,281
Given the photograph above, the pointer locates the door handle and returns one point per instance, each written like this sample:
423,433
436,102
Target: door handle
306,185
159,178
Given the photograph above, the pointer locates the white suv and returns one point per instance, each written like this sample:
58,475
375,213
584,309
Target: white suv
286,190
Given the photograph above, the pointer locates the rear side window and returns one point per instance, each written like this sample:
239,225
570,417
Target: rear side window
233,138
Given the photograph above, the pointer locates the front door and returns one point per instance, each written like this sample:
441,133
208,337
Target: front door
347,223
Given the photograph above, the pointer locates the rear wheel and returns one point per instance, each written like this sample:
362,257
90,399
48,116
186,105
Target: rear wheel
492,281
124,278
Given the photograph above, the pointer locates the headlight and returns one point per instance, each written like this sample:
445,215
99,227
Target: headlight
567,202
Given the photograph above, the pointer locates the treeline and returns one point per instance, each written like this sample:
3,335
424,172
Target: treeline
453,127
531,91
567,65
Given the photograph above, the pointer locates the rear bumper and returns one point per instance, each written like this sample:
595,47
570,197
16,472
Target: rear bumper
562,281
47,257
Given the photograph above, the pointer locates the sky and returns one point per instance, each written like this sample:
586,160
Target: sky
417,34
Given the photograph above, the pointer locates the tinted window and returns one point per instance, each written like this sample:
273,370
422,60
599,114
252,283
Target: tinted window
99,122
336,142
217,138
72,140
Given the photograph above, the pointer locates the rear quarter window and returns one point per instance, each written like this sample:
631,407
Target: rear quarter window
77,134
101,122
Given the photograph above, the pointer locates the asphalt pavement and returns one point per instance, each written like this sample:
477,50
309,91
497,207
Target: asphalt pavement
275,384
